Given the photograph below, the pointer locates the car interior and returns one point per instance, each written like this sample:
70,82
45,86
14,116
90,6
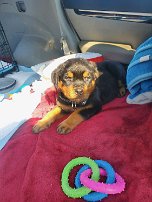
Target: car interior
40,35
34,28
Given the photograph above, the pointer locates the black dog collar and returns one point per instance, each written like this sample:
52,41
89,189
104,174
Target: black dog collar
69,102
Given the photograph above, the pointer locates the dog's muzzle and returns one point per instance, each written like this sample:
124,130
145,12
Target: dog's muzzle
78,88
78,91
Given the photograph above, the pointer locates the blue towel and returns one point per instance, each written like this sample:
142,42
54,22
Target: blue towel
139,72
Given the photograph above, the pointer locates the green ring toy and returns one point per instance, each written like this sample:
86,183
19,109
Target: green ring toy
82,191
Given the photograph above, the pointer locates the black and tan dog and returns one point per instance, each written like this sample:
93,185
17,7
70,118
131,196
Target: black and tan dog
82,89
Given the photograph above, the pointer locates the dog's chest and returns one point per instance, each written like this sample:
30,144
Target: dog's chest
66,108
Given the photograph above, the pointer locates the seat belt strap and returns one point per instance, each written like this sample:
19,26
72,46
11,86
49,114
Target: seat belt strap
63,40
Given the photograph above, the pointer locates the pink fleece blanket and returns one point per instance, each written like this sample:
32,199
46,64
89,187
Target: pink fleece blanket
31,165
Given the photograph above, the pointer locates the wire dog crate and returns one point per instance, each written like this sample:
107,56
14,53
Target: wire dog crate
7,61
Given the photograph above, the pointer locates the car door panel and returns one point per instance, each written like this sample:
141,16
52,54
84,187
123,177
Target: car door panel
108,21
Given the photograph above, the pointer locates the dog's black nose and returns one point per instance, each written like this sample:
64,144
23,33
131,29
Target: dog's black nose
78,91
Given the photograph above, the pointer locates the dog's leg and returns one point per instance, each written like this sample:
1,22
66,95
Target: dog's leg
76,118
48,119
70,123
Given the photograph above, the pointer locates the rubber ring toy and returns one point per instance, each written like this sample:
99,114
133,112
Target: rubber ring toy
79,192
114,188
94,196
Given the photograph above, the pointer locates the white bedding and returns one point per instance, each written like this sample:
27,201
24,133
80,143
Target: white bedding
14,112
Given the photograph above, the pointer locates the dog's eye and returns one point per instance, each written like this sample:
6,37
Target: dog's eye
87,78
67,78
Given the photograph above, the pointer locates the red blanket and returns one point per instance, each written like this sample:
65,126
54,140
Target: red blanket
31,165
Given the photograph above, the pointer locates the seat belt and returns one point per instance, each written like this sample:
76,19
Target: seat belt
63,40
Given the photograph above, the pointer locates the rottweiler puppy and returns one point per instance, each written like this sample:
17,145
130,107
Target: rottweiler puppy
82,88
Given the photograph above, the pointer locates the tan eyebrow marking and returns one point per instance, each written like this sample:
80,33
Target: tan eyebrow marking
86,74
70,74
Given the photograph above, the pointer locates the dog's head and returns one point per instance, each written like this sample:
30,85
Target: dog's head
75,78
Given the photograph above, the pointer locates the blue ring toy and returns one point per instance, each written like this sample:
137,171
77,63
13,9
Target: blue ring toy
96,196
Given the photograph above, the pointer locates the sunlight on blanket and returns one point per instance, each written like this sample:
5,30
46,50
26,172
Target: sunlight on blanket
15,111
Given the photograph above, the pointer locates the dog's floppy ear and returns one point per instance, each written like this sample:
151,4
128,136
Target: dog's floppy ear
56,74
95,69
55,77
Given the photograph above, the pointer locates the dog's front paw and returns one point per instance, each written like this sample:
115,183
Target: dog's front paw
64,128
40,126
